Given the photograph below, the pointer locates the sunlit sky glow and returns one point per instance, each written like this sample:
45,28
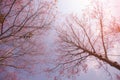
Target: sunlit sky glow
72,6
76,6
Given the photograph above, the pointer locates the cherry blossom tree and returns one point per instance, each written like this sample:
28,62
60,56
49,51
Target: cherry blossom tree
86,38
21,22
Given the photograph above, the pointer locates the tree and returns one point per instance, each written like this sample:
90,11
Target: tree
87,37
20,23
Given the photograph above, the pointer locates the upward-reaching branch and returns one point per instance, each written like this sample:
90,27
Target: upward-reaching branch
102,38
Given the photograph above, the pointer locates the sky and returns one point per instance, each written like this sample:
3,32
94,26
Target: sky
76,6
71,6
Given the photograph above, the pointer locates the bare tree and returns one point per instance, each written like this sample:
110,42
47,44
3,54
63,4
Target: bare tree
20,23
87,37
